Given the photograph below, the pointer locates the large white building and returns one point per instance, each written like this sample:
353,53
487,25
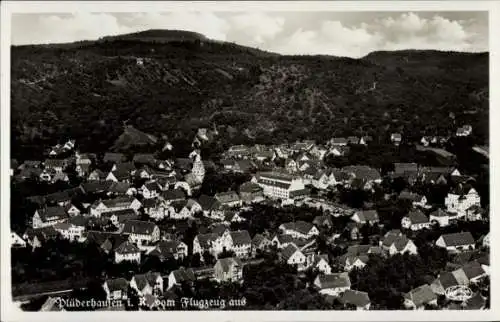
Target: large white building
459,200
280,185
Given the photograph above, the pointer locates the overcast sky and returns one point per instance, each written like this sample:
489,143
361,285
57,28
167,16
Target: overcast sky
352,34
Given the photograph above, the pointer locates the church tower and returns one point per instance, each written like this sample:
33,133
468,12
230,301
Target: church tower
198,169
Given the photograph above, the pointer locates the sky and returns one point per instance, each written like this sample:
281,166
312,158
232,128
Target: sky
351,34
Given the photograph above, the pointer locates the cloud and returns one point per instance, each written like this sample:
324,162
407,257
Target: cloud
406,31
349,34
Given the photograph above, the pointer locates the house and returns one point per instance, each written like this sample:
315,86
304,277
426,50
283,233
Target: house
415,199
16,241
444,281
239,152
339,150
58,165
486,240
180,276
473,271
251,192
441,217
95,187
358,299
320,263
366,217
366,173
333,284
97,175
461,199
118,176
241,243
59,176
231,216
351,261
155,208
120,203
206,243
121,189
116,289
323,221
149,283
228,199
127,251
396,138
49,216
394,242
419,297
71,231
293,256
118,217
173,195
150,190
299,229
244,166
183,209
228,269
280,185
36,237
474,213
415,220
456,242
260,242
141,232
170,249
211,207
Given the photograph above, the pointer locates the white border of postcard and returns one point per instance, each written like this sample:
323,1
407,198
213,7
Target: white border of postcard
11,313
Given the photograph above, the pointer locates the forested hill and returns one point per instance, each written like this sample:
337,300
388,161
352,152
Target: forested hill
87,90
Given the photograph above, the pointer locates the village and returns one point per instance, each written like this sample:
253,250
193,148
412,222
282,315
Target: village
292,208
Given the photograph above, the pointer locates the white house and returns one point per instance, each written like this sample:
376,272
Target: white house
293,256
16,241
320,263
141,232
149,283
179,276
461,199
116,289
170,249
280,185
299,229
333,284
127,251
415,220
49,216
441,217
150,190
417,298
456,242
183,209
71,231
119,203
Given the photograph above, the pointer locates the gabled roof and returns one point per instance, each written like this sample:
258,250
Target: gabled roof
119,187
149,278
421,295
447,279
357,298
240,237
250,187
138,227
184,275
258,239
334,280
417,217
117,202
228,263
174,194
206,202
145,158
168,248
152,186
117,284
121,215
440,213
96,186
299,226
52,213
55,163
458,239
400,167
205,240
391,236
407,195
127,248
368,215
79,221
288,251
363,172
226,197
473,270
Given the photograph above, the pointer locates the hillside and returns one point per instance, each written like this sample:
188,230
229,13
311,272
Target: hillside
88,90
